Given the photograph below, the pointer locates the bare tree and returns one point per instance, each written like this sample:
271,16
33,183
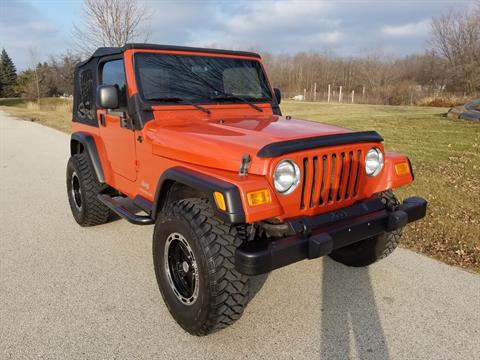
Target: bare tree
111,23
456,37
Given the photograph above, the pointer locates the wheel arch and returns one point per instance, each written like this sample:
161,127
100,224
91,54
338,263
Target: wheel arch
198,184
81,142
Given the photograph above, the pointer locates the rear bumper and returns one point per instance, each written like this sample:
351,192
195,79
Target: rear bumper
319,235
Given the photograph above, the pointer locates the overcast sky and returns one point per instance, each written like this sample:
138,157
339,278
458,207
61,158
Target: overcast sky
344,28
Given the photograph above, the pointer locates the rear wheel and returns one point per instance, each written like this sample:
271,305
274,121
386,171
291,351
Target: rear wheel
82,189
366,252
193,254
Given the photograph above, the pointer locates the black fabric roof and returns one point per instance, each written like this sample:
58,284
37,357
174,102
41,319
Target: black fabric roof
107,51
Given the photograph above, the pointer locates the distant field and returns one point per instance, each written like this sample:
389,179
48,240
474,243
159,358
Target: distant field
53,112
445,154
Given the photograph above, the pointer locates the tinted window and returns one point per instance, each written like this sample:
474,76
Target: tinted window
85,105
200,79
114,74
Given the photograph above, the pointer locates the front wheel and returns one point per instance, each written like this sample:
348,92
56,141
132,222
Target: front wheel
366,252
193,253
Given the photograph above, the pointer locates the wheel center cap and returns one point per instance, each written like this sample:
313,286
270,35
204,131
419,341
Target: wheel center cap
185,267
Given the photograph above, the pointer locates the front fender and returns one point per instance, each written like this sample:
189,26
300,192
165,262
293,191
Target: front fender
208,185
389,178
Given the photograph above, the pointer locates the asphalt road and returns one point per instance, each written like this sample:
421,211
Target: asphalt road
68,292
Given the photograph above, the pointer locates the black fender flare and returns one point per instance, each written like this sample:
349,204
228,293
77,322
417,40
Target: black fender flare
90,148
207,184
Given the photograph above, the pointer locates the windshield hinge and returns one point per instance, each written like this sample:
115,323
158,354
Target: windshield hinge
246,161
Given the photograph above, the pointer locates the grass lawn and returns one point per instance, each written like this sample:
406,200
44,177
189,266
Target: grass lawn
53,112
445,154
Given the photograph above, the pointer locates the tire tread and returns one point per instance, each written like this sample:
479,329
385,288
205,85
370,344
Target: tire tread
229,289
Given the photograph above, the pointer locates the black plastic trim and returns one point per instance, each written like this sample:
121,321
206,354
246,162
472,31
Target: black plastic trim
411,168
144,204
259,257
289,146
123,212
207,184
91,149
108,51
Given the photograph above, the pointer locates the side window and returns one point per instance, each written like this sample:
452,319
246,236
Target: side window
85,105
113,73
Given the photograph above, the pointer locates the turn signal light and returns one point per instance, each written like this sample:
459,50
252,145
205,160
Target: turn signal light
402,168
259,197
220,201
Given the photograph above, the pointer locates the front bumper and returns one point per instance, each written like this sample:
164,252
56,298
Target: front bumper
317,236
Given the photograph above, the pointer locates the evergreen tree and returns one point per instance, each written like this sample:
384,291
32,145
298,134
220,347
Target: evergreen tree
8,75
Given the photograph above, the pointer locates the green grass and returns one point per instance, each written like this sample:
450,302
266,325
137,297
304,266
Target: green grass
446,158
445,154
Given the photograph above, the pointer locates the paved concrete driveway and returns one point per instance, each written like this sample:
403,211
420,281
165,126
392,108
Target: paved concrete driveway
72,293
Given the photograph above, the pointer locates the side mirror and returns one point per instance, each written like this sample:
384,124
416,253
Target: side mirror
278,95
107,96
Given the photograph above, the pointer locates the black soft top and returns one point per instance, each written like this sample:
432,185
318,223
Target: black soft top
107,51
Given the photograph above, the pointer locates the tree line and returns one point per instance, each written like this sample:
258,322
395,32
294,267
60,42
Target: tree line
450,64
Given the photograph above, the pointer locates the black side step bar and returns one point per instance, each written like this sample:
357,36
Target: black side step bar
123,212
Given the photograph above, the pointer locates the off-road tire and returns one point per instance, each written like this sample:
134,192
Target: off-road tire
223,292
369,251
92,211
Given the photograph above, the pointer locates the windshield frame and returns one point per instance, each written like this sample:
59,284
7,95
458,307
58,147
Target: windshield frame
153,103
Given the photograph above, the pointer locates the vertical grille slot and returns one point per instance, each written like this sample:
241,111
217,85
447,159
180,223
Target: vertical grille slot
355,184
314,182
304,181
322,185
350,164
332,177
341,178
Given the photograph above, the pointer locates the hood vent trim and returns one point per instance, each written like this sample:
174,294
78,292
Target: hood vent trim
290,146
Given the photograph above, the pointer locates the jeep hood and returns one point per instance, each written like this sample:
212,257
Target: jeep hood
221,143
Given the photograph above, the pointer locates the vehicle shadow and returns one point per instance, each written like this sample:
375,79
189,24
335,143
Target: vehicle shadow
351,325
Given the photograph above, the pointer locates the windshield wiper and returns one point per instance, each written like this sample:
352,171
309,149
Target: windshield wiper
178,100
227,96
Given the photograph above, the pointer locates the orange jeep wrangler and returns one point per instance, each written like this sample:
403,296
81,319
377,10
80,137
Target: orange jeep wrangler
193,141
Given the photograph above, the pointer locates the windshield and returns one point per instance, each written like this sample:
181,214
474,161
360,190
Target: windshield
200,79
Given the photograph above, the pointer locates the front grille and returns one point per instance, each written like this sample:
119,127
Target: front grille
330,178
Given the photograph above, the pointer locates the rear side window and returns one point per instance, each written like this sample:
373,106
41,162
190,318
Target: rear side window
85,106
113,73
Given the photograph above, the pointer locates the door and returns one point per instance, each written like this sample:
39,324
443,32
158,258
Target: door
116,127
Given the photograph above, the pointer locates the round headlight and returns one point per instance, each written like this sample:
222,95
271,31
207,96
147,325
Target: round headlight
286,177
374,161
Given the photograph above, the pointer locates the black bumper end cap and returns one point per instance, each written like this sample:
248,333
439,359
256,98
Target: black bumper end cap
415,207
397,220
319,245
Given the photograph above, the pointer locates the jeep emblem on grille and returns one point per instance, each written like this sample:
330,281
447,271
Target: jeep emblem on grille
338,215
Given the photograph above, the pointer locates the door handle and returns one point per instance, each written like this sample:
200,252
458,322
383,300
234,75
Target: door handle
102,119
